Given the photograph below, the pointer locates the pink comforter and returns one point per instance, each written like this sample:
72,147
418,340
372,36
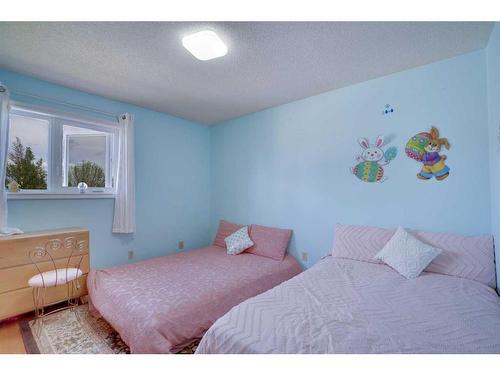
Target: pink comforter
350,306
163,304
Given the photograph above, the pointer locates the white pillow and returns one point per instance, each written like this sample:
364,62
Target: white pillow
238,242
406,254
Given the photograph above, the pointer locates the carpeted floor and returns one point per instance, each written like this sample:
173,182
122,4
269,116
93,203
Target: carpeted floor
76,331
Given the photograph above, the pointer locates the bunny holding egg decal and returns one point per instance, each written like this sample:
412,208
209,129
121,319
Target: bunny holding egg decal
425,147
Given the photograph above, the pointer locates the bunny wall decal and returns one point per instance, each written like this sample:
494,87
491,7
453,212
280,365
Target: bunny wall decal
371,162
425,147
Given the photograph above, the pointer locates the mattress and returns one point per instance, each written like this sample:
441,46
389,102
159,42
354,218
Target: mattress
351,306
163,304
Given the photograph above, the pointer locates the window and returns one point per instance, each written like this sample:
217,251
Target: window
51,154
28,151
86,157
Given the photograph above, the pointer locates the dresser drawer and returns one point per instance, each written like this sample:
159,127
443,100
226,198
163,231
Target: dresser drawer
21,300
14,250
16,266
17,277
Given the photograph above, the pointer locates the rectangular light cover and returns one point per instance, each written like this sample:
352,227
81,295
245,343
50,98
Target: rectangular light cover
205,45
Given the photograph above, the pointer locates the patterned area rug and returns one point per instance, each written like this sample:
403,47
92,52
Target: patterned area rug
76,331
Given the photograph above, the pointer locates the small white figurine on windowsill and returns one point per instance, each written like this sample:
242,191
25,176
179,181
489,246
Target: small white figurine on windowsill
82,187
13,186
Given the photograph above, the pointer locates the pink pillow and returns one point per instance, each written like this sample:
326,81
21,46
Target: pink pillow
470,257
269,242
225,229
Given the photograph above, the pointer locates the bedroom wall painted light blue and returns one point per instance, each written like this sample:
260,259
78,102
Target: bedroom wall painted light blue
493,83
288,166
172,182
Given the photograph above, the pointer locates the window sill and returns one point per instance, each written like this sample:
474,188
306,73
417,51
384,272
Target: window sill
22,195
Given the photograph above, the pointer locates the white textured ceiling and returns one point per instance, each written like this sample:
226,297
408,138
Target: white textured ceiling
268,63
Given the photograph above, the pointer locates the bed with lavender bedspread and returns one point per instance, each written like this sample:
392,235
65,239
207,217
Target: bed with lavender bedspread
345,305
163,304
350,306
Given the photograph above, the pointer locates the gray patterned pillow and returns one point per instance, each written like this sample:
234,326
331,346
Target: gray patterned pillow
406,254
238,242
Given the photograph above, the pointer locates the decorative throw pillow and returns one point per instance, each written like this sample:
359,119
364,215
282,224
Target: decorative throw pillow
225,229
406,254
238,242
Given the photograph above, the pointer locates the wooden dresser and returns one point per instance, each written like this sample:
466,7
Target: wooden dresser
16,268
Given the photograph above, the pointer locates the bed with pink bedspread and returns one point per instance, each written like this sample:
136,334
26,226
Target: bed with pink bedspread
351,303
163,304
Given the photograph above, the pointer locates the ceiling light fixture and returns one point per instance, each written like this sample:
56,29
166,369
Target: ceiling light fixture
205,45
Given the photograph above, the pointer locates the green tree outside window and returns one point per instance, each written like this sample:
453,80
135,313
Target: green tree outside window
24,169
88,172
30,174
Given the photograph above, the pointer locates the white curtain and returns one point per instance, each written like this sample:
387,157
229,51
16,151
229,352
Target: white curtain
4,150
124,216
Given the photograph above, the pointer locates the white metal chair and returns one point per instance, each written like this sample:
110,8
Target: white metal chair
54,277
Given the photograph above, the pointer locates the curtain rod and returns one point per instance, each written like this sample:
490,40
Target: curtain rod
67,104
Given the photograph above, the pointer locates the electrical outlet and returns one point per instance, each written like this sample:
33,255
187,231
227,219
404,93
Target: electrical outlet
131,254
304,256
180,245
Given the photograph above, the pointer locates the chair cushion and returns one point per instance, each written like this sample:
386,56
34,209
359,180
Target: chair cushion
53,278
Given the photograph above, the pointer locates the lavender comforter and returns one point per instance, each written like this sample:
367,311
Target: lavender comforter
351,306
162,305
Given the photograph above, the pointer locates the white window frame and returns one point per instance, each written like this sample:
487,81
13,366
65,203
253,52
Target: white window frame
55,153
